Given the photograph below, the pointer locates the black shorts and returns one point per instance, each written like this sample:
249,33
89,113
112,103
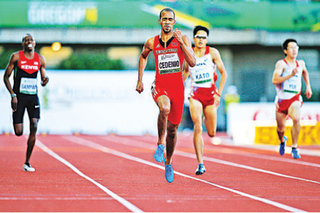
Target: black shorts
31,102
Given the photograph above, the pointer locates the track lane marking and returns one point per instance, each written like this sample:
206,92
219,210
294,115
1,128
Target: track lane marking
189,155
274,158
121,200
107,150
261,156
56,198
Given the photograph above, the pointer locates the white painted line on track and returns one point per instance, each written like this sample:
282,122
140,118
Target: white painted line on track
138,143
121,200
261,156
247,167
99,147
56,198
267,157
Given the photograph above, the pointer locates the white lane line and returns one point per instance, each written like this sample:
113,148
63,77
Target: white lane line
138,143
124,202
99,147
261,156
247,167
56,198
268,157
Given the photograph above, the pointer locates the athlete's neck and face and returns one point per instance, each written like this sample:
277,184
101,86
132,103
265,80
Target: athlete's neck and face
28,44
200,39
167,22
291,51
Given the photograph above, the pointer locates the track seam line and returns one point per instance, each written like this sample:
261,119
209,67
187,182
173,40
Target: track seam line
105,149
121,200
189,155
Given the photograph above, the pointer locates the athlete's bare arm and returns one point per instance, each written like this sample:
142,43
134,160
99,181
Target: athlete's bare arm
185,45
280,67
147,48
305,76
13,59
186,72
44,78
216,58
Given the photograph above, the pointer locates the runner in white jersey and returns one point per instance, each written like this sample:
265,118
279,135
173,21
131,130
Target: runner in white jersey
204,98
287,78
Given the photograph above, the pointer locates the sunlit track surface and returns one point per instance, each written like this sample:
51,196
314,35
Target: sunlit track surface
118,173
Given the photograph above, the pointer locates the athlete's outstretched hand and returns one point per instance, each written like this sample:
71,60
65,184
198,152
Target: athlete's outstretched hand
139,87
177,34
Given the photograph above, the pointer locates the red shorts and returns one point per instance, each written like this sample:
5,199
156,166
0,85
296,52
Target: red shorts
176,97
204,95
284,104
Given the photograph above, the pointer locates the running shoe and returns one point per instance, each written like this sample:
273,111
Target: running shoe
169,174
295,153
159,154
283,145
201,169
28,168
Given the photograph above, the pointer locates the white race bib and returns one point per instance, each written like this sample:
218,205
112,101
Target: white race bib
28,86
202,76
168,63
292,85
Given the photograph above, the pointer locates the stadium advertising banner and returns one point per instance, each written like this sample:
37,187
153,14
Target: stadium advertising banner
255,123
287,16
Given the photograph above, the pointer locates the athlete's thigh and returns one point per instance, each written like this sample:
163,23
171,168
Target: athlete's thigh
210,115
33,107
196,110
18,115
294,110
176,109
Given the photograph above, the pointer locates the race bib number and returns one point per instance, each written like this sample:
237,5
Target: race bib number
28,86
202,77
168,63
291,85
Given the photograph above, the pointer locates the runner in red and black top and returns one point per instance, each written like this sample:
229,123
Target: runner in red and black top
24,94
170,49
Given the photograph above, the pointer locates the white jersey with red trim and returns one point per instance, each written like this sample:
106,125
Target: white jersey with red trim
204,73
292,86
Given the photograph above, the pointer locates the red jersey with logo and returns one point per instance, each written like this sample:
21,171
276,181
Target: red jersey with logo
169,81
169,63
25,74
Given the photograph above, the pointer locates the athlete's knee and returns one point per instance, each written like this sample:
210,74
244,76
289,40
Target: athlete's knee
164,110
211,133
296,122
18,132
197,128
33,127
280,130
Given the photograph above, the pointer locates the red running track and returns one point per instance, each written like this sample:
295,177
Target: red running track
117,173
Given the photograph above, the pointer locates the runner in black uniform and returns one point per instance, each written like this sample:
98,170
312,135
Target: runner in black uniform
24,93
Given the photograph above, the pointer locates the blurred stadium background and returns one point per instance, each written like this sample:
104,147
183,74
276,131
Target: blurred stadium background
92,47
